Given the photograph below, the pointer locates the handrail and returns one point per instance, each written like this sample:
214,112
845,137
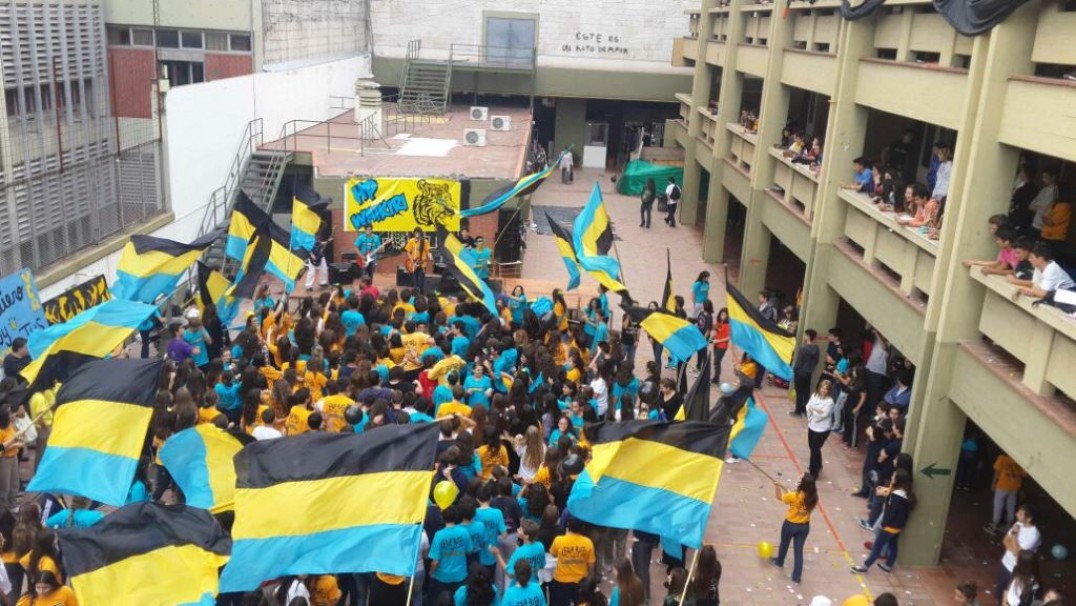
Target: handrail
508,57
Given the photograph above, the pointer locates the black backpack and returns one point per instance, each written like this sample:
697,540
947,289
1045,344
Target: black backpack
674,196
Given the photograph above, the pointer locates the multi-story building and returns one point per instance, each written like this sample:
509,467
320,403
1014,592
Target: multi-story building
596,73
983,358
65,184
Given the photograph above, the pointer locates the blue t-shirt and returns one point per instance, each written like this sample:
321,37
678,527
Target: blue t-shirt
601,333
227,396
614,598
619,391
864,179
263,303
533,553
531,595
420,417
419,317
432,351
517,307
450,547
478,398
481,262
479,544
81,518
492,521
700,291
367,244
441,394
460,345
460,597
197,339
592,316
352,319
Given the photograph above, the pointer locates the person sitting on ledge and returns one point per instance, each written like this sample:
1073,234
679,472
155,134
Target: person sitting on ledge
1048,276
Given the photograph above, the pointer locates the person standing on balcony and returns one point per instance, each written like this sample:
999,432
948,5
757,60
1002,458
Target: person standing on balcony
1048,276
1043,201
1055,224
1006,260
944,153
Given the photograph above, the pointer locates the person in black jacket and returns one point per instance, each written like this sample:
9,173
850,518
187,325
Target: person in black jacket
899,502
804,362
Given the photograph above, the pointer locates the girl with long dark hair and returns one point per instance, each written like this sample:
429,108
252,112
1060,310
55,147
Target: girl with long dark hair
797,525
722,336
899,502
628,590
479,589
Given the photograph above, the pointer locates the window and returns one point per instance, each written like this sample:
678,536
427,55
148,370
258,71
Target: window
191,39
142,37
240,43
184,72
168,38
216,41
510,42
119,36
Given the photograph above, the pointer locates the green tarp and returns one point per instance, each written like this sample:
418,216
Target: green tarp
638,171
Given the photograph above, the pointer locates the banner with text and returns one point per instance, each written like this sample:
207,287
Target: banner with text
72,302
401,205
20,309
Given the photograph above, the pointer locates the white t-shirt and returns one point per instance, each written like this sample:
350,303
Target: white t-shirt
1028,538
566,161
669,192
297,590
525,472
5,582
820,413
1051,277
265,432
879,356
601,394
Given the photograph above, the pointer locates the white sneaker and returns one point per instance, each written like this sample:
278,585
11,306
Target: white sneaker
733,459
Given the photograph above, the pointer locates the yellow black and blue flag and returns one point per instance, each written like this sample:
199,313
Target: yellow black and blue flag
353,503
99,429
93,334
213,291
766,342
523,186
655,476
450,254
567,251
750,424
681,337
668,294
592,237
150,267
146,553
247,226
199,459
307,208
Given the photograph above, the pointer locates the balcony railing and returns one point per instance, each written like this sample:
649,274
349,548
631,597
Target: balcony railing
902,250
710,126
1042,338
742,147
795,184
484,56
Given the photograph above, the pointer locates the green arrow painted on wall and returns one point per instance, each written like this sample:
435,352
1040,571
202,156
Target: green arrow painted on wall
932,470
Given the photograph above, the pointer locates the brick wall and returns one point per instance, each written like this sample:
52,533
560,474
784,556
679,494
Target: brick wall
637,30
221,65
131,72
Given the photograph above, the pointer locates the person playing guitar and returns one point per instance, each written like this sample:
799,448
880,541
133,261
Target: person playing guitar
368,245
417,252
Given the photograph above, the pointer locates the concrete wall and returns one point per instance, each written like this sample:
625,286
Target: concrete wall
312,30
204,127
231,15
570,126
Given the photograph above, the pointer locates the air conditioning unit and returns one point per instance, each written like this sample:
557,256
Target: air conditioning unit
480,113
474,136
501,122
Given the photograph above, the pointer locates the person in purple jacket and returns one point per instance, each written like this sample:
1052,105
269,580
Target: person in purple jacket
178,349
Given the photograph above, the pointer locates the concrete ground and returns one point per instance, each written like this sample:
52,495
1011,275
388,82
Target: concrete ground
745,511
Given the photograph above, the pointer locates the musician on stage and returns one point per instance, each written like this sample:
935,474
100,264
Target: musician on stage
417,252
317,265
368,245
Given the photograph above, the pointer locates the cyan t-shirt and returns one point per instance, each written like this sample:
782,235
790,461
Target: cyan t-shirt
460,345
493,523
700,291
197,339
478,398
227,396
450,547
531,595
352,319
460,597
533,553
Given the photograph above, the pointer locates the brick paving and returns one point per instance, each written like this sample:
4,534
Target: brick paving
745,511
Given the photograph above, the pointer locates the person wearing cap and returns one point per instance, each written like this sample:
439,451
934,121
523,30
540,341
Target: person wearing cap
481,258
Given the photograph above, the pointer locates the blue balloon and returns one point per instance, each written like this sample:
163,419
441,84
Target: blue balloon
1059,551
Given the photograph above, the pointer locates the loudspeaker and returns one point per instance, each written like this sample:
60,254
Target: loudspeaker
349,257
403,278
510,237
448,284
341,273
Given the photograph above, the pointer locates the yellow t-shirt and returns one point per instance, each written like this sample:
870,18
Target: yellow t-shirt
414,344
1010,475
332,410
41,402
326,591
575,554
297,421
797,507
1057,222
63,596
206,414
490,460
542,476
453,408
44,564
315,382
6,435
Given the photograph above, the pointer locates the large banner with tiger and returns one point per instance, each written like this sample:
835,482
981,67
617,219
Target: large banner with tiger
396,205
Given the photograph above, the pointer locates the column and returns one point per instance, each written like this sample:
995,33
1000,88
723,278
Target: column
981,169
700,92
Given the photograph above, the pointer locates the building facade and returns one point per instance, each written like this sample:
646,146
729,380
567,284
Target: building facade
1003,97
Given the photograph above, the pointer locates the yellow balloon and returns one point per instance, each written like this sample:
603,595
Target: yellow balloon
445,493
857,600
765,550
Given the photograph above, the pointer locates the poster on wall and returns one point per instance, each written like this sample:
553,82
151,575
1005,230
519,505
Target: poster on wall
21,312
401,205
72,302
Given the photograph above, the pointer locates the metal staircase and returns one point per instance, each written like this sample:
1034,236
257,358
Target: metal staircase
425,85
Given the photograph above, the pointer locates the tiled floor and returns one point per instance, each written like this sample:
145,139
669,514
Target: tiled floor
745,511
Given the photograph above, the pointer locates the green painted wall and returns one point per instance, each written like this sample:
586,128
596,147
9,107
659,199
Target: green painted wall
570,126
556,82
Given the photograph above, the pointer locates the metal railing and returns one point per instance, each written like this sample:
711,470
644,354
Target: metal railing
494,57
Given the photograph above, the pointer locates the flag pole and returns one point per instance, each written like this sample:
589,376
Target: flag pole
690,574
411,585
760,470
